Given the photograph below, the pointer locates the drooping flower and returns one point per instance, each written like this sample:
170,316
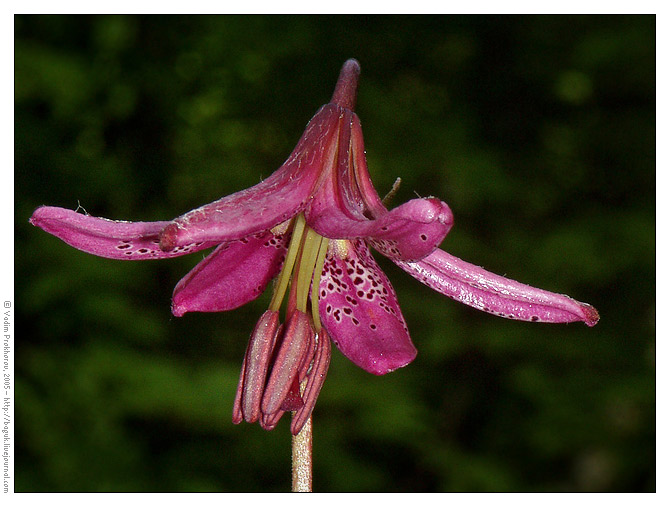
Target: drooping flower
309,226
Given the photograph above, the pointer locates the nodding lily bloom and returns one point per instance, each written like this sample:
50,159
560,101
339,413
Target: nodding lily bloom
309,226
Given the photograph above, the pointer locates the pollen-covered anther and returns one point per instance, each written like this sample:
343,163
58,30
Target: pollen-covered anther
269,421
314,382
308,358
295,341
257,361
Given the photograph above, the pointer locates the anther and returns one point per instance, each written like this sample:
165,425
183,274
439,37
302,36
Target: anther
315,380
269,421
287,362
257,360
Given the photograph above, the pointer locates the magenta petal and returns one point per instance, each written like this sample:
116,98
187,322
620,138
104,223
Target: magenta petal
359,309
409,232
108,238
261,207
495,294
347,85
232,275
341,210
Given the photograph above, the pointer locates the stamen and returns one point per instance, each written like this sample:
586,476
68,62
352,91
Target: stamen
257,360
287,362
237,404
300,361
285,275
307,358
340,247
314,382
306,268
318,269
396,186
269,421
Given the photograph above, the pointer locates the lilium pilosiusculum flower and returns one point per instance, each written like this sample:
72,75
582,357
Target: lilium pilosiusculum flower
310,225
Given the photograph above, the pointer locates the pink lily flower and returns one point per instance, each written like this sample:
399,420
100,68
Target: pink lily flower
309,226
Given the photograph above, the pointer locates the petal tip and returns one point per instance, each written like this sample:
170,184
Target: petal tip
441,213
352,66
590,314
38,215
347,85
178,310
390,362
431,209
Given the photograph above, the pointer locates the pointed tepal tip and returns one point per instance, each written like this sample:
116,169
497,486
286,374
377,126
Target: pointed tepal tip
39,215
347,85
591,316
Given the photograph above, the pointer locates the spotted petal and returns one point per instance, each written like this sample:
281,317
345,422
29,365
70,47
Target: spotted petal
261,207
495,294
359,309
109,238
232,275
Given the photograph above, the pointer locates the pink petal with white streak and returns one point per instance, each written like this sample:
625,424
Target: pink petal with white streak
495,294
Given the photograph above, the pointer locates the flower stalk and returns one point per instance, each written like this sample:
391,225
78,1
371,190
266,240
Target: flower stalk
301,459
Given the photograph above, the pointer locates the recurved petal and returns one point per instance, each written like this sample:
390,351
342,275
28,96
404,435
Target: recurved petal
232,275
409,232
345,206
359,310
274,200
113,239
495,294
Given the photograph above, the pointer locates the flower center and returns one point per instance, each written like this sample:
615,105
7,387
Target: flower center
285,364
303,266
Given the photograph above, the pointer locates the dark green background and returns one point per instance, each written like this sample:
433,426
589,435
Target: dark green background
538,131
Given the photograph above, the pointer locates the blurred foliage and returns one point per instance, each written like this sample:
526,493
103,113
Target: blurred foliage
539,132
